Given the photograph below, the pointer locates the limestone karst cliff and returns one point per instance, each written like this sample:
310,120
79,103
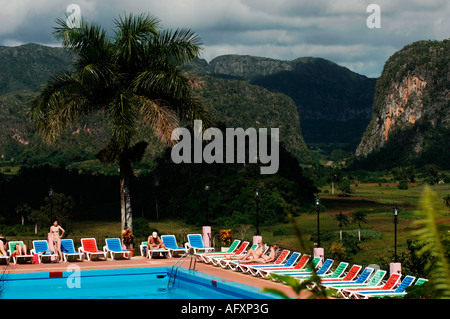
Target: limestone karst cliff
412,101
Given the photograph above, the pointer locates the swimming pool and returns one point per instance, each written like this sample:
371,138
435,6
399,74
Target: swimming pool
127,283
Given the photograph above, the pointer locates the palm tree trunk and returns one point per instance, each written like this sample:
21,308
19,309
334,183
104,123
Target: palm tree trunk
340,233
126,172
359,232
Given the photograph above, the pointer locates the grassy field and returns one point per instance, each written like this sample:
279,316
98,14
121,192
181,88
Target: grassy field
378,201
378,232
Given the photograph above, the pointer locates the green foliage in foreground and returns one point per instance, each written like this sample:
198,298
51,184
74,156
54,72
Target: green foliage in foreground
428,232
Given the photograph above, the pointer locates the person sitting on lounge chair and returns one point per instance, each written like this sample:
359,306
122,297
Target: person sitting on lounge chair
3,243
155,242
19,250
264,258
251,254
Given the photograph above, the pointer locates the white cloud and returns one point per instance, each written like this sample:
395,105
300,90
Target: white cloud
281,29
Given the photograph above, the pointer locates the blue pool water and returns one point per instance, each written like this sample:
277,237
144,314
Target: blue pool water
129,283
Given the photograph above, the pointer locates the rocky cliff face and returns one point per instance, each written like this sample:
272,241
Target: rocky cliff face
412,94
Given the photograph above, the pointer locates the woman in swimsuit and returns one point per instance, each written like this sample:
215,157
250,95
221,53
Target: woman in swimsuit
252,254
54,230
264,258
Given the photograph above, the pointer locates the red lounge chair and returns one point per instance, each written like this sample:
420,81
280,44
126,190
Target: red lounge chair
89,247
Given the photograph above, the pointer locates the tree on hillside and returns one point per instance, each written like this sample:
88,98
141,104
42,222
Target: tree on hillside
447,202
359,217
342,221
134,79
344,185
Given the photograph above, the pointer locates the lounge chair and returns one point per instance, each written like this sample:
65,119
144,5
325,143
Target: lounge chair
195,242
323,270
89,247
228,262
349,277
398,292
264,272
215,259
143,248
16,258
114,246
363,281
394,291
245,268
6,258
171,243
350,293
40,247
337,273
159,251
204,256
255,269
68,249
308,271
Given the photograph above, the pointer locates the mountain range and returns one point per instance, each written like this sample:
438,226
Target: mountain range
400,116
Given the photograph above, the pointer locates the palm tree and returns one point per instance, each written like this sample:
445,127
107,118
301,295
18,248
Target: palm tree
134,78
342,221
359,217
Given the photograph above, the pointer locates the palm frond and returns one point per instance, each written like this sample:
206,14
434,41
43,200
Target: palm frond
161,119
172,86
132,33
60,104
80,39
428,232
180,45
122,116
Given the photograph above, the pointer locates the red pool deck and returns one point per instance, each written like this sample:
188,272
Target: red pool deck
139,262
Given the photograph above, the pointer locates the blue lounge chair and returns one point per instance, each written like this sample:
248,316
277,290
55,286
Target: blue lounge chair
395,291
113,247
351,293
360,280
322,270
68,249
171,243
195,242
299,266
40,247
279,261
255,269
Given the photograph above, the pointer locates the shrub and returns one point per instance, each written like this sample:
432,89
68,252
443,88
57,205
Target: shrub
402,185
141,227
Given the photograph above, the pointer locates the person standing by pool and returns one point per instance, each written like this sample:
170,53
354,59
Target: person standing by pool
56,237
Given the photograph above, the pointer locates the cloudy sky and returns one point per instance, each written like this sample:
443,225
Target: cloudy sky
336,30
